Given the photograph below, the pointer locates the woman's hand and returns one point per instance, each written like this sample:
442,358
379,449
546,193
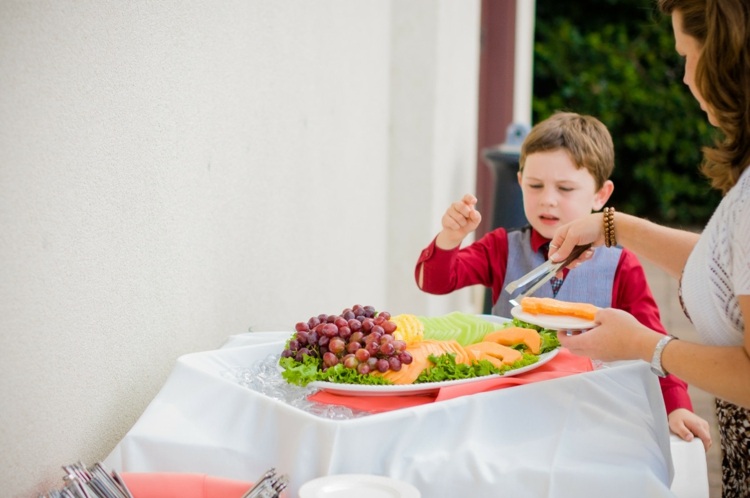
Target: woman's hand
460,219
687,425
587,230
619,336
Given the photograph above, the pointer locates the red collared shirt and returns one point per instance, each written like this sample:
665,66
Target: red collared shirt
484,263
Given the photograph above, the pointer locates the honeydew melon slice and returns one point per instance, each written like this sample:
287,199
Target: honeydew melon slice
463,328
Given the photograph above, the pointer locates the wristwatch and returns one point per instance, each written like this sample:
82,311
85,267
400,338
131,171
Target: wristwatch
656,359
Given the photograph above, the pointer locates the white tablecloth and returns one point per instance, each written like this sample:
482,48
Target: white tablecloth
601,433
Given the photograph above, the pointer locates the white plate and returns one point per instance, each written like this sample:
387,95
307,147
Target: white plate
495,318
424,388
359,486
552,322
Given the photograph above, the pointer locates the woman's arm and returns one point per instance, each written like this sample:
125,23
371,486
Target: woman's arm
666,247
722,371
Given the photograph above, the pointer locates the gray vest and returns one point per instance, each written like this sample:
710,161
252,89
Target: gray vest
589,283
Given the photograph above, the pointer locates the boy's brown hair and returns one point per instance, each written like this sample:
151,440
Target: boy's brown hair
585,139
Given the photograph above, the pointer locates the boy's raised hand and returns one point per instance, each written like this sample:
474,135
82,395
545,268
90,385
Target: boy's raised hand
459,220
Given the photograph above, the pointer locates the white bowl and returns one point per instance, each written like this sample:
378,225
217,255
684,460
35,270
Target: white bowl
359,486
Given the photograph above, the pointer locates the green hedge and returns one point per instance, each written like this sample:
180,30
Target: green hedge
615,59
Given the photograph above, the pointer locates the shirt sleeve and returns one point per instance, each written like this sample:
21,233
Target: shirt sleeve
740,247
480,263
631,293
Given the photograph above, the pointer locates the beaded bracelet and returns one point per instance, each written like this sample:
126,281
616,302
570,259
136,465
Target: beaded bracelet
609,227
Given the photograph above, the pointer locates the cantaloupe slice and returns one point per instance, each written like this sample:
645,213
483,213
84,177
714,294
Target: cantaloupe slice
420,353
486,350
550,306
516,335
495,353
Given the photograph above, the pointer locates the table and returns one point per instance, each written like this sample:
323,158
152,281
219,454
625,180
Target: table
601,433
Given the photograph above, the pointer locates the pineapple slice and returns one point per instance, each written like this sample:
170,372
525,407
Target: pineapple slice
408,328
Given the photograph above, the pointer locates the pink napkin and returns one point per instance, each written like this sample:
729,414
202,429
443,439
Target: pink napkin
562,365
179,485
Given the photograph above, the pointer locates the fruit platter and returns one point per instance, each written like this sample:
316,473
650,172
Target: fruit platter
365,351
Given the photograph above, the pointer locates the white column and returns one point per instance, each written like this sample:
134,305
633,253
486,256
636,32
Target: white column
523,76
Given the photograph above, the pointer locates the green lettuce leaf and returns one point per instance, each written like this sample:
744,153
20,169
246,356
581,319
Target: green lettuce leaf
445,368
301,374
549,337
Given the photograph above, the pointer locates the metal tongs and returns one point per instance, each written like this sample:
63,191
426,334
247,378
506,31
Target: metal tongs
541,274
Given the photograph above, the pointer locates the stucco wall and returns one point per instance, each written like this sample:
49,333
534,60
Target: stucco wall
175,172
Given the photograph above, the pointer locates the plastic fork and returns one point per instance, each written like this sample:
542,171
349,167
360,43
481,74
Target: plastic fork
269,485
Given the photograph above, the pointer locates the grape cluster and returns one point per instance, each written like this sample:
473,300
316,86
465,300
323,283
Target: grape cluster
359,338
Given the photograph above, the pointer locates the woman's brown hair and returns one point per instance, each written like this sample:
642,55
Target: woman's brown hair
723,79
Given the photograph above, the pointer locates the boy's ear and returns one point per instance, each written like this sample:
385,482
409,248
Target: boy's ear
603,195
520,177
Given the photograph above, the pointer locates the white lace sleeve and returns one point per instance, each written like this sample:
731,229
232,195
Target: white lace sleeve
740,239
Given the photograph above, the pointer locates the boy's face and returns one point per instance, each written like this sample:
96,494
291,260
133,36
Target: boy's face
555,192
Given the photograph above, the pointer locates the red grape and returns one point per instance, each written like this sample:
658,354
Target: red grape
359,337
405,358
350,361
373,348
329,330
330,359
336,345
300,356
352,347
394,363
312,337
363,368
387,349
362,354
345,332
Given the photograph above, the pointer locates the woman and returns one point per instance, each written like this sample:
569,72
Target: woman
713,36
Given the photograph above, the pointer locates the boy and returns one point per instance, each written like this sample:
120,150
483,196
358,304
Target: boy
565,165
